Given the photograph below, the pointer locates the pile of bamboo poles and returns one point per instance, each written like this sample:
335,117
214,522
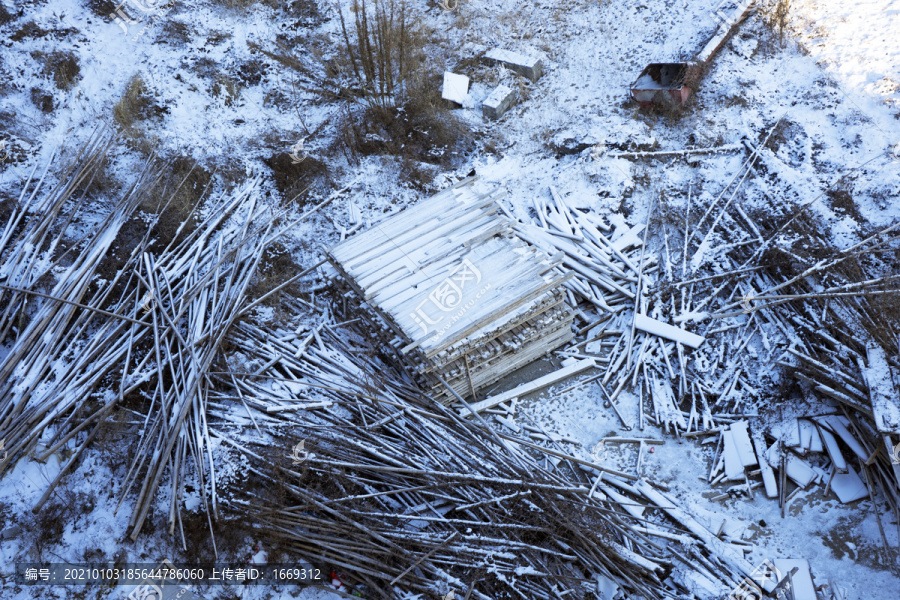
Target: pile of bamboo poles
76,345
400,493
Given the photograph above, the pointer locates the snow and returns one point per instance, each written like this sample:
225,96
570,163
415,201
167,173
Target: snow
456,88
839,95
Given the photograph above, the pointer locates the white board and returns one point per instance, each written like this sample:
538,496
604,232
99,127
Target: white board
456,87
833,450
849,487
767,474
882,393
734,468
669,332
531,386
797,469
802,587
837,425
742,443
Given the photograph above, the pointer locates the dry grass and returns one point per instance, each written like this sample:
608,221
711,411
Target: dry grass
225,87
775,15
5,16
276,267
135,104
297,180
175,199
42,100
61,66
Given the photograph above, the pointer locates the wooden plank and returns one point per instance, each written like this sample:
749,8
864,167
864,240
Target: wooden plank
833,450
742,443
532,386
849,487
836,425
795,468
802,587
669,332
810,441
882,392
765,468
734,468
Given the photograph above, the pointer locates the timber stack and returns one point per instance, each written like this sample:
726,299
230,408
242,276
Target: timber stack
454,292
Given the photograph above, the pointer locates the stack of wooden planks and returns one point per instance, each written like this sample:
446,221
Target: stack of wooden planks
449,286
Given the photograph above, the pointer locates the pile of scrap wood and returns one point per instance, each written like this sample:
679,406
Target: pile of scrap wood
449,286
400,493
790,450
725,308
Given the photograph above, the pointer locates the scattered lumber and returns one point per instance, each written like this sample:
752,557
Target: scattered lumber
532,386
664,330
77,344
418,496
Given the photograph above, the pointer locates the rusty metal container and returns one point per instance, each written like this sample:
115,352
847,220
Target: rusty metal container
665,85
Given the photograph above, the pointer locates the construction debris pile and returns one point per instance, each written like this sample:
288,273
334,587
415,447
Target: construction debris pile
726,308
450,288
403,494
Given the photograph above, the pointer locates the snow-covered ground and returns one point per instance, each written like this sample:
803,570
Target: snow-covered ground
833,86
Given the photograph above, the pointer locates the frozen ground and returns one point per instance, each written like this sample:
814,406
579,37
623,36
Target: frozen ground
832,85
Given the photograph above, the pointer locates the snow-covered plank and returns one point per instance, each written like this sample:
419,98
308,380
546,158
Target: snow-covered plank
456,87
797,469
882,392
716,42
765,468
802,587
788,431
810,441
833,450
839,428
669,332
849,487
532,386
629,238
532,68
800,472
734,468
742,443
